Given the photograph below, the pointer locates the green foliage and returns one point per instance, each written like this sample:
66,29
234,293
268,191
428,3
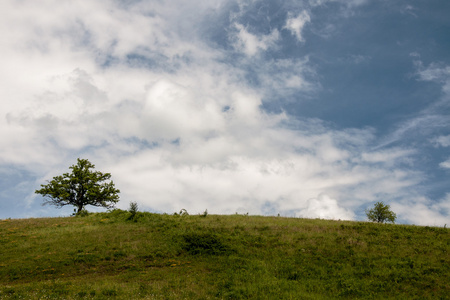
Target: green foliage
104,256
81,187
381,213
133,208
133,211
204,243
82,213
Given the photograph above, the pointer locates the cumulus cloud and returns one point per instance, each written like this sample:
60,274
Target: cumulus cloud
247,171
175,147
421,211
295,24
324,207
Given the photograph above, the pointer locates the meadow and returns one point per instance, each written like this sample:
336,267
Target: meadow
118,255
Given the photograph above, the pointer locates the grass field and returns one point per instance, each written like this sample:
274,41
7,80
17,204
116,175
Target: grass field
155,256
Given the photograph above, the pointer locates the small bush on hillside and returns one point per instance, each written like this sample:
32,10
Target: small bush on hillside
82,213
204,243
133,210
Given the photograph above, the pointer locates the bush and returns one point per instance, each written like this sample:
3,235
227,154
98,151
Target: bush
133,210
82,213
204,243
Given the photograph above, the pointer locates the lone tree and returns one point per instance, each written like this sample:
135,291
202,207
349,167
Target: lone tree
381,213
80,188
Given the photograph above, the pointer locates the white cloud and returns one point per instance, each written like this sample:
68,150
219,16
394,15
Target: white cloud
434,72
409,9
437,72
347,5
295,24
324,207
442,141
431,118
445,164
421,125
358,59
243,171
387,157
251,44
284,75
421,211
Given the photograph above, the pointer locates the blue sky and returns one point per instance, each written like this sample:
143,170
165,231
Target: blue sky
314,108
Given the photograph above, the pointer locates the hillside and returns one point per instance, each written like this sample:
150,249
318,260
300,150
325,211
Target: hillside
154,256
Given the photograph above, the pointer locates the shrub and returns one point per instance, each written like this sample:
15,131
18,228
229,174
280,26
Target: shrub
82,213
204,243
133,210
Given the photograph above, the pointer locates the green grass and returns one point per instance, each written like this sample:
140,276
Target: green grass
153,256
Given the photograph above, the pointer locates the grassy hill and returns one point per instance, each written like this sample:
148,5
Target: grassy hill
109,255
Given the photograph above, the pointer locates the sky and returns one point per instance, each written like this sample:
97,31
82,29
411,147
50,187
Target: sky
305,108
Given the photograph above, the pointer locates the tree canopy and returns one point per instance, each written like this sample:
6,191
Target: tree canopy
81,187
381,213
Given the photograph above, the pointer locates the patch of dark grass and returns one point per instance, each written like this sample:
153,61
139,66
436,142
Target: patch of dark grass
204,244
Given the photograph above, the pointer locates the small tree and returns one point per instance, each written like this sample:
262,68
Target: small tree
134,209
381,213
80,188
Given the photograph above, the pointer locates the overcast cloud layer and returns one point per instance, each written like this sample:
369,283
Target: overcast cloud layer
311,109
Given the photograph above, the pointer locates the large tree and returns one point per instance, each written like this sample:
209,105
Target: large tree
381,213
81,187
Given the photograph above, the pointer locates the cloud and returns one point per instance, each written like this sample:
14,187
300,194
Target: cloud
442,141
445,164
431,119
358,59
437,72
174,147
346,6
251,44
287,76
410,10
434,72
419,126
324,207
421,211
295,24
246,171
